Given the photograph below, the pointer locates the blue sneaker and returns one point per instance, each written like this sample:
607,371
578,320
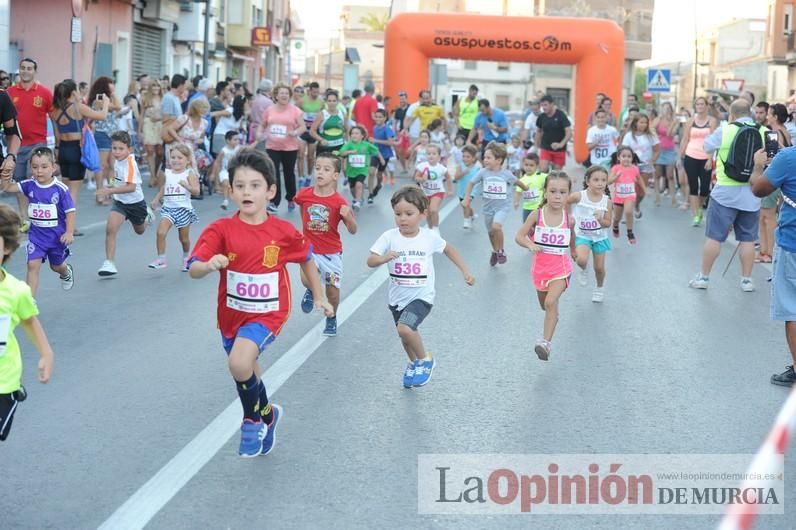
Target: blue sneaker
270,439
307,302
331,327
423,371
251,438
409,375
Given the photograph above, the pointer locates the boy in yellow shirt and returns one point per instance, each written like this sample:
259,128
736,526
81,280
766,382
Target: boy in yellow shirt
534,179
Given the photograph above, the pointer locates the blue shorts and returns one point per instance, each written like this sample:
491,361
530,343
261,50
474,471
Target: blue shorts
56,254
103,141
783,285
668,157
598,247
719,220
255,332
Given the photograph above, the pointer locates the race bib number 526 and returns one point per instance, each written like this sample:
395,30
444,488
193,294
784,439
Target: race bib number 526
253,293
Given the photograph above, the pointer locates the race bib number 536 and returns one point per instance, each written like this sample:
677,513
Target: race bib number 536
253,293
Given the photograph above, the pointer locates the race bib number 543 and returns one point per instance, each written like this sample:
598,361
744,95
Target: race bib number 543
253,293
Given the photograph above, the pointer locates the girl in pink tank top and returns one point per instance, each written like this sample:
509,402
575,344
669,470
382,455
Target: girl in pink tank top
549,233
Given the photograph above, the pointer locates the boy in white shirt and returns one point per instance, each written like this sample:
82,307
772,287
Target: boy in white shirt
409,251
128,199
601,140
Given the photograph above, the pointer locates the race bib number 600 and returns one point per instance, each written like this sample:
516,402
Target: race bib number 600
253,293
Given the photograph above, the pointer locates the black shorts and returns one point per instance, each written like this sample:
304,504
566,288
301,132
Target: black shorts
136,212
412,315
308,138
69,154
8,406
381,168
354,180
463,132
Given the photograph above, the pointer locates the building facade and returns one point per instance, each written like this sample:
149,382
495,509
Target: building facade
781,50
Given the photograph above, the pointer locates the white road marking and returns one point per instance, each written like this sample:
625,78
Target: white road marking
145,503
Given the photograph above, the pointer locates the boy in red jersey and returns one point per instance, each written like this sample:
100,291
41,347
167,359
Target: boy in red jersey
322,209
251,250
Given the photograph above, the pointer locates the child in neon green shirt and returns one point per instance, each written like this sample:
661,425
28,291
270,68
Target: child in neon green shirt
357,153
17,307
534,179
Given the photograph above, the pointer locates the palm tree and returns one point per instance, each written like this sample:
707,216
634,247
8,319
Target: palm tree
375,23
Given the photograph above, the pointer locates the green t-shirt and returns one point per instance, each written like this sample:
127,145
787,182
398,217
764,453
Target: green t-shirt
16,304
532,198
358,164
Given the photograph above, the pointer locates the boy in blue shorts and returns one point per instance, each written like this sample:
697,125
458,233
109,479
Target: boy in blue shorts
251,251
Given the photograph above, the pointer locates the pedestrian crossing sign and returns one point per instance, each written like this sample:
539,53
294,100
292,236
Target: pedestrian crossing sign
659,80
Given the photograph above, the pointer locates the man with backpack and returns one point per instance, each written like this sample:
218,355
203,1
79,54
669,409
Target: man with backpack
732,203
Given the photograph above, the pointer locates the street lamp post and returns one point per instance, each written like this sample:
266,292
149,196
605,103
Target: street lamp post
206,45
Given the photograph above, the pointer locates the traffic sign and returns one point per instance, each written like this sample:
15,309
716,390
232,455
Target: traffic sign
659,80
732,85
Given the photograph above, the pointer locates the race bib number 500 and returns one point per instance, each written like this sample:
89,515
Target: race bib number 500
253,293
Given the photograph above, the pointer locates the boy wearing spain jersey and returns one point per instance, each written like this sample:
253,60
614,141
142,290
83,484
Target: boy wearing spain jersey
251,250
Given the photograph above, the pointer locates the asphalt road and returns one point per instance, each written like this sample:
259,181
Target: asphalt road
140,372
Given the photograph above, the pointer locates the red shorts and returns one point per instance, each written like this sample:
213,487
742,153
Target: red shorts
440,196
558,158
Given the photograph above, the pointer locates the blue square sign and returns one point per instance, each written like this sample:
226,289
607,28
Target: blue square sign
659,80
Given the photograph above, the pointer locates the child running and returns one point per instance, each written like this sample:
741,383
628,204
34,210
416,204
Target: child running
497,200
409,249
322,209
549,233
593,216
52,219
230,149
430,176
385,140
180,183
357,168
534,180
418,149
516,154
128,199
626,178
17,307
601,140
251,250
464,174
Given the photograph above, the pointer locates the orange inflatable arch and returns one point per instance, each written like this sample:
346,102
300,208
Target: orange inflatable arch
595,46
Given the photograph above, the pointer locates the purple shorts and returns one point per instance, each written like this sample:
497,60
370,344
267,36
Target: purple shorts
56,253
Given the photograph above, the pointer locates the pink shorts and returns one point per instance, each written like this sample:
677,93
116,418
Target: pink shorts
550,267
440,196
622,200
558,158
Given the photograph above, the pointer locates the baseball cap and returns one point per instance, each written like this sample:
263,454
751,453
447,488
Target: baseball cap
205,85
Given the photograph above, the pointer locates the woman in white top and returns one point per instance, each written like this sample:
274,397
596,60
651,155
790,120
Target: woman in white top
643,141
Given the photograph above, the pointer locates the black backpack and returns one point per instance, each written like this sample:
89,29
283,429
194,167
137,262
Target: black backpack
740,158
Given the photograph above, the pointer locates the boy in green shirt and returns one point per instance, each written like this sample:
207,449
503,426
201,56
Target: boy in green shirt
17,307
534,179
357,154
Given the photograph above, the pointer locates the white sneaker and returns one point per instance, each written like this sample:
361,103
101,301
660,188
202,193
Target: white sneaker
583,278
468,223
150,216
747,285
597,295
158,264
224,204
107,269
68,281
700,282
91,185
